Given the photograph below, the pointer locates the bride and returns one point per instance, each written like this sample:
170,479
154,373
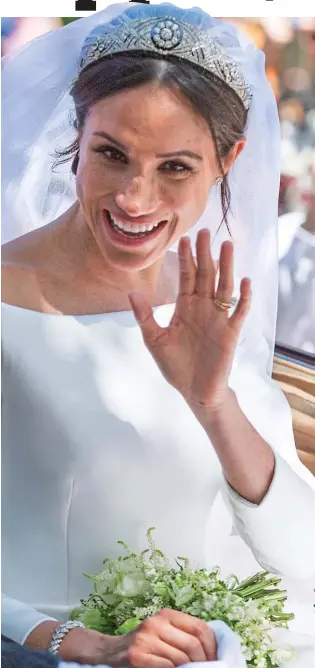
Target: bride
136,363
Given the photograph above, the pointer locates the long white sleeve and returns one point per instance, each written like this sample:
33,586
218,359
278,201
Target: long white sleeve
280,530
20,619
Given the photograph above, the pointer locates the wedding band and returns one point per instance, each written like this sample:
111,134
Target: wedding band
224,306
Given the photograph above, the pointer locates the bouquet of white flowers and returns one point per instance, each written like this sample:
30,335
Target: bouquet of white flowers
135,586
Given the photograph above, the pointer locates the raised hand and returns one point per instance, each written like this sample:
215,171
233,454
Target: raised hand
195,352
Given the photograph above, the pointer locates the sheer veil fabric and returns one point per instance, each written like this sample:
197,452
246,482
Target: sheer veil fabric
37,114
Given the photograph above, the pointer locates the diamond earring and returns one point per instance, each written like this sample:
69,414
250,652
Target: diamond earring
219,180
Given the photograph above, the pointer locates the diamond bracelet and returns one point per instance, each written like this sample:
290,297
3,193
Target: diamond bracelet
60,633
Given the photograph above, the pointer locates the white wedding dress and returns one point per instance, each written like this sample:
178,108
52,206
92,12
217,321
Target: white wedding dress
97,447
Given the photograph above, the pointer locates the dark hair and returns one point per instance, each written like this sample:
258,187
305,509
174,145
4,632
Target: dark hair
214,100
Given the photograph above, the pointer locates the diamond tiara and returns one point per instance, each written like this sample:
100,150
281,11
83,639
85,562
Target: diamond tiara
167,36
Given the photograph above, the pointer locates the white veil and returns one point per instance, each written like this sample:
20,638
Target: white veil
36,111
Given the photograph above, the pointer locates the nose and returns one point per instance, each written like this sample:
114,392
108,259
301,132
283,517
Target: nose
139,197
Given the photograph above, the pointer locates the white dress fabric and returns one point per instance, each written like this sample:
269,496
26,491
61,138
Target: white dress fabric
97,447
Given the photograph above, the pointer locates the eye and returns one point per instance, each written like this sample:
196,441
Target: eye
176,168
111,154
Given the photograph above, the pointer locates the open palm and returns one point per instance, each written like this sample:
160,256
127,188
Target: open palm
195,352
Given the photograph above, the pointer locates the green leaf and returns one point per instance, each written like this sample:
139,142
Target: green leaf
110,599
184,596
76,614
128,625
175,590
94,578
161,589
93,619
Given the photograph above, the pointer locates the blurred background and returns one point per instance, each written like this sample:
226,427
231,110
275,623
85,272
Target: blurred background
289,46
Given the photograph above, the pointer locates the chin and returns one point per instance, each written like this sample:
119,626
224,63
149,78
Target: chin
130,262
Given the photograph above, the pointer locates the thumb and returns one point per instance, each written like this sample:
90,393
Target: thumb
144,315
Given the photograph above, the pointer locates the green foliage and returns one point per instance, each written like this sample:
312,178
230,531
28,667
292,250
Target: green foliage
136,586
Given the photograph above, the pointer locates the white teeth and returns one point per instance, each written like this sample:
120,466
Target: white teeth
133,228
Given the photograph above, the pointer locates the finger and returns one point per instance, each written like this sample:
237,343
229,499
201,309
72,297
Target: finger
195,627
186,642
209,643
187,268
144,315
146,660
205,275
237,319
170,652
226,280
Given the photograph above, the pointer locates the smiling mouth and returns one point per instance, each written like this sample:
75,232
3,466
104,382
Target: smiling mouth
134,230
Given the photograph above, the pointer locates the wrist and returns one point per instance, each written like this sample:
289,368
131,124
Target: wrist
115,650
86,646
80,645
41,636
73,647
60,634
216,414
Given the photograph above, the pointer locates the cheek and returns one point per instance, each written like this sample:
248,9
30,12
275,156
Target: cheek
91,177
191,200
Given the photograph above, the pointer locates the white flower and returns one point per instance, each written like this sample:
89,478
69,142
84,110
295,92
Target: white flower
151,572
284,654
132,585
262,663
209,602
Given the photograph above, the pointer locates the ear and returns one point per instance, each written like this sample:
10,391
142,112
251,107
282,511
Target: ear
233,154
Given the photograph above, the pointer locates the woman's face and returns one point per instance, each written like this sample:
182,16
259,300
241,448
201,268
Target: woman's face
147,163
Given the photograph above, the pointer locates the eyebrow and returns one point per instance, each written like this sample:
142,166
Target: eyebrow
188,154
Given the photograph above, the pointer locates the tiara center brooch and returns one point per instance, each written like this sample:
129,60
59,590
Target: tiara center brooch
166,35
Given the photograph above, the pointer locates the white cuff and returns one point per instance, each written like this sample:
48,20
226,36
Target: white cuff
20,619
280,530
